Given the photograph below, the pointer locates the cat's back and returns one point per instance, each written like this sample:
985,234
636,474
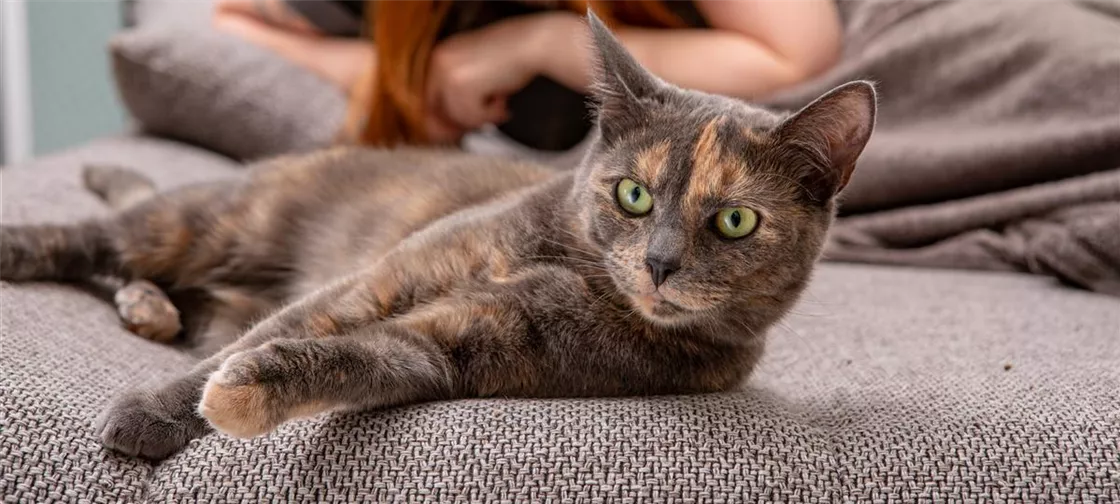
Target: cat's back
341,171
351,205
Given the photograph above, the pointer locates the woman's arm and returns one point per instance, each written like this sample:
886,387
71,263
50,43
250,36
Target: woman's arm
754,47
272,24
276,13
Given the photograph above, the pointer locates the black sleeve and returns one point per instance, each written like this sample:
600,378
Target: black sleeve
341,18
356,7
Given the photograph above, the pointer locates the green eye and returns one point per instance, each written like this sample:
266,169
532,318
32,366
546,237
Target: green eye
634,198
736,222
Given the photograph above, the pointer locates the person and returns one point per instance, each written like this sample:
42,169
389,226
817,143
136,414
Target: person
429,71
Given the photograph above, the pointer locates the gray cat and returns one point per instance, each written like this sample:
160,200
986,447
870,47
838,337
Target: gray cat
382,278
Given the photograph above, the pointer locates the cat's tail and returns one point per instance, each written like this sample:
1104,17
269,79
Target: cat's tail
57,252
120,187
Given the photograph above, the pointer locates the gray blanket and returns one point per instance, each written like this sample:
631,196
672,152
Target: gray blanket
998,142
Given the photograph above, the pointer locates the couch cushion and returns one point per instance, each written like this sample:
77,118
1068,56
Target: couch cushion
220,92
64,355
885,385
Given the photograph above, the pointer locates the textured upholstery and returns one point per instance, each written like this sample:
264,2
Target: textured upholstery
886,385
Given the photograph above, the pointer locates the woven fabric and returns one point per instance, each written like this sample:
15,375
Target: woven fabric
885,385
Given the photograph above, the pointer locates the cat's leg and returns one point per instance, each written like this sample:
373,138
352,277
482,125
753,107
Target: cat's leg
382,364
255,391
143,307
121,188
479,344
153,422
157,422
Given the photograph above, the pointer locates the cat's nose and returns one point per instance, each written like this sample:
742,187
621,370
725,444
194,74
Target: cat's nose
660,268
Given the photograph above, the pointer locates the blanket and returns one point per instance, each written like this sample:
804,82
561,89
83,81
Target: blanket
998,140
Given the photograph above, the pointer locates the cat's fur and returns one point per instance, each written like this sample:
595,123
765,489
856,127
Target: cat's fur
390,277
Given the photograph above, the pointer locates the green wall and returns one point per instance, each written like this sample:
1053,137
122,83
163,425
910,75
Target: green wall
72,94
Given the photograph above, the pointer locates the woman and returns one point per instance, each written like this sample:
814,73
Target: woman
429,71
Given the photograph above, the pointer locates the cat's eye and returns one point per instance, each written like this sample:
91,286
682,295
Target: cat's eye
633,198
736,222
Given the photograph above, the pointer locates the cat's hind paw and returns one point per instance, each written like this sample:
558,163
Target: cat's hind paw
147,311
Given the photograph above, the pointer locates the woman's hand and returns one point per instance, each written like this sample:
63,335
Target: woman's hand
471,74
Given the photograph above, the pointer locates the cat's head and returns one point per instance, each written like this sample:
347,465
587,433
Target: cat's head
705,206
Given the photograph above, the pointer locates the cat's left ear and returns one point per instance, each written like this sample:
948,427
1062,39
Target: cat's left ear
830,135
622,88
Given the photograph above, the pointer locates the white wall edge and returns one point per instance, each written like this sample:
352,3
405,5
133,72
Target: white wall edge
15,72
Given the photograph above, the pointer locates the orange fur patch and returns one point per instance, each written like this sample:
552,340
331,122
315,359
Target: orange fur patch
322,325
707,172
238,411
651,162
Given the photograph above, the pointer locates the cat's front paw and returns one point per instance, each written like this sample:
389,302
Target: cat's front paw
141,423
235,401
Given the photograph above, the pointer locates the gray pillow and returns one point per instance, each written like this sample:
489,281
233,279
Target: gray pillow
214,90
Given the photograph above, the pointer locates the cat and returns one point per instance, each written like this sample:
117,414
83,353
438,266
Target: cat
354,279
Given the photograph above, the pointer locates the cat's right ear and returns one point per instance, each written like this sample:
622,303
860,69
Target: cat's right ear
622,88
830,134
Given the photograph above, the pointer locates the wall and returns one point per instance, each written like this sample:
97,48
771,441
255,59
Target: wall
72,96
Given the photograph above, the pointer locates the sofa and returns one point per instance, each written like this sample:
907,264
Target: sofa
885,384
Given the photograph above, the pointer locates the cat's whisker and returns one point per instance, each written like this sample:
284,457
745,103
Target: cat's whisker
811,345
632,312
799,313
586,262
571,234
602,297
568,246
808,298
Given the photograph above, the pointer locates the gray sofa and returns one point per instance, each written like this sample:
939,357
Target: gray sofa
884,385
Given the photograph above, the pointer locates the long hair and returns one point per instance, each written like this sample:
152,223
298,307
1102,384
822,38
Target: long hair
387,107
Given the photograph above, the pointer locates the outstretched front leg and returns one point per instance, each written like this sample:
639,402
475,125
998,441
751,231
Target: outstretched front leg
255,391
473,344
